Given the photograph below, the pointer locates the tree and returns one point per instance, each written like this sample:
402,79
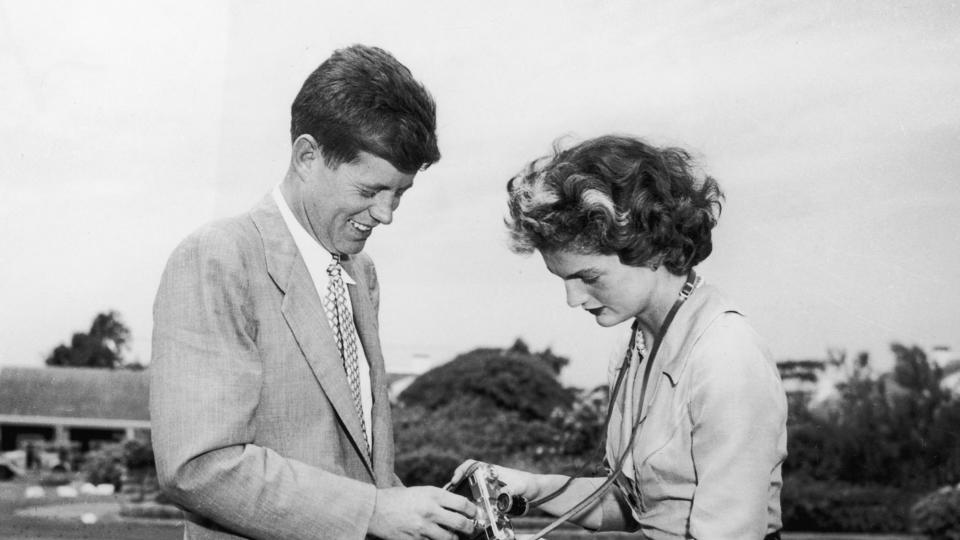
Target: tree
500,405
896,429
100,347
582,425
885,438
508,380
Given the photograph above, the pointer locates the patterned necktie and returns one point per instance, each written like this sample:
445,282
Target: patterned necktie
340,316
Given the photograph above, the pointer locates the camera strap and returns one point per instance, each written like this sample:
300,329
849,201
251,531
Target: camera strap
688,287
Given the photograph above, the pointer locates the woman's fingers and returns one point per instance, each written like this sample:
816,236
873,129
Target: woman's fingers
460,472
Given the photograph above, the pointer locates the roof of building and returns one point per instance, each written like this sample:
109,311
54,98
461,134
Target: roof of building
74,393
394,377
951,368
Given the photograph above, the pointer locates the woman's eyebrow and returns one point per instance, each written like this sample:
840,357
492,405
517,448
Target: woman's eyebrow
582,272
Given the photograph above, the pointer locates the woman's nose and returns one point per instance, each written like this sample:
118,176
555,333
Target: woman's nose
575,295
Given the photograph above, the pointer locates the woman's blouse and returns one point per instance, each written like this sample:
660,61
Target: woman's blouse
706,463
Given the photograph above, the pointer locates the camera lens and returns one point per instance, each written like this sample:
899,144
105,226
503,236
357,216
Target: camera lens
513,505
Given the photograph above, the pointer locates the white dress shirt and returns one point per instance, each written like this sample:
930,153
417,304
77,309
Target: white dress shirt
317,260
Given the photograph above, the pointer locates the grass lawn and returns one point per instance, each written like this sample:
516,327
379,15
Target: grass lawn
53,518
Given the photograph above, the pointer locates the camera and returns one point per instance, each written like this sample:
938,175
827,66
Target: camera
481,485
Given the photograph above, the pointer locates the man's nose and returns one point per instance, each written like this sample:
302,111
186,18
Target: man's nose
382,210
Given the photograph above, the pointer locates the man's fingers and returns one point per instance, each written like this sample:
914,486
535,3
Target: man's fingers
456,522
457,503
436,532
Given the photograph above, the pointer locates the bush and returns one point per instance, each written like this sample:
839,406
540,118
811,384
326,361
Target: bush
468,429
509,380
426,467
937,515
810,505
138,454
896,429
56,477
105,466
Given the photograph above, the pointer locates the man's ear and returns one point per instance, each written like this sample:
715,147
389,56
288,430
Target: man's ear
306,155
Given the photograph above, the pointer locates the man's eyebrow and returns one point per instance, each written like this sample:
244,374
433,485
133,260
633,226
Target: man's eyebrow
381,187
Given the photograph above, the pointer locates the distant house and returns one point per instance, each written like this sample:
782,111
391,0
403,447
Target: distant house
83,407
398,382
71,407
949,362
405,365
817,382
801,376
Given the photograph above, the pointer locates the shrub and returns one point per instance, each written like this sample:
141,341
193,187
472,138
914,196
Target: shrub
810,505
509,380
937,515
56,477
105,466
137,454
468,429
426,467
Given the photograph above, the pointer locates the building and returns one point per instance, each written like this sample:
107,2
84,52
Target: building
949,361
405,364
800,377
817,383
81,408
71,407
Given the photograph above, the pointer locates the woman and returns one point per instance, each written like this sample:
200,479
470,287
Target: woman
698,424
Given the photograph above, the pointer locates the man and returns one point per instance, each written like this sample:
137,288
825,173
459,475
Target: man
268,391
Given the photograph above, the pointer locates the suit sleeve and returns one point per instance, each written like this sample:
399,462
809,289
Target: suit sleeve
738,411
205,388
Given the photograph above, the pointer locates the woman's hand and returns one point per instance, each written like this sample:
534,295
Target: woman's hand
515,482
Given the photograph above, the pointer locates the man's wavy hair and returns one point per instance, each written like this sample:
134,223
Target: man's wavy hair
363,99
616,195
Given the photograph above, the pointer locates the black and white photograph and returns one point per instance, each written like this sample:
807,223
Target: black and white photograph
441,270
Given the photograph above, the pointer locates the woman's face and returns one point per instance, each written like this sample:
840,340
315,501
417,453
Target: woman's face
610,290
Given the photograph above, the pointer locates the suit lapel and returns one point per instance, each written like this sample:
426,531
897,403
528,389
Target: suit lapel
303,311
364,317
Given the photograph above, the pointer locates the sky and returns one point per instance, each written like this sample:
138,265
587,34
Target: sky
833,129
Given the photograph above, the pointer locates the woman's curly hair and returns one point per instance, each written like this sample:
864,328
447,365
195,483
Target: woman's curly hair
616,195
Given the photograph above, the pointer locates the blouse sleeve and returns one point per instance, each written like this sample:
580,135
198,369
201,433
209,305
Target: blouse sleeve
738,412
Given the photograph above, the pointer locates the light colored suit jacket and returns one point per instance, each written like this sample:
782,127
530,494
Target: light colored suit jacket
254,428
708,456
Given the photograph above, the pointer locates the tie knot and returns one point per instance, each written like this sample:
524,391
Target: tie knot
334,269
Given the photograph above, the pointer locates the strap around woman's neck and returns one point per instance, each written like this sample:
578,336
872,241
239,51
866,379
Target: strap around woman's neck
688,287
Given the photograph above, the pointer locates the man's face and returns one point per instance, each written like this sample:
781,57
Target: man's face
344,203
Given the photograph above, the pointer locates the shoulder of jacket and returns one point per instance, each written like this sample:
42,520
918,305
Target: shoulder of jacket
221,238
731,343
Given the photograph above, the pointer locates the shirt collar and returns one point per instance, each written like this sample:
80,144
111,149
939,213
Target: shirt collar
316,257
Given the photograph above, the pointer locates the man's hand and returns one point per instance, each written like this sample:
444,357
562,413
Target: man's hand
418,513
